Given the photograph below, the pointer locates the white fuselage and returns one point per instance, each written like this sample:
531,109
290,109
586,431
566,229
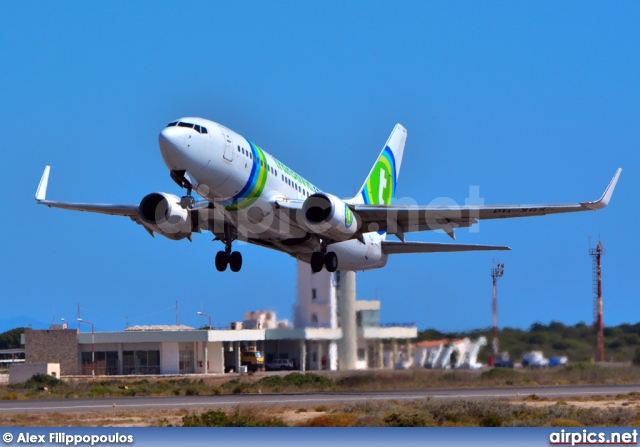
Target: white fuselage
244,182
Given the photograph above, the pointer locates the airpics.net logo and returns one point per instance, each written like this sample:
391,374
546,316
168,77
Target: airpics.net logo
61,438
587,437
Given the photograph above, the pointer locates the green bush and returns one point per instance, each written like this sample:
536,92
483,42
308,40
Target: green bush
218,418
491,420
307,380
99,391
500,374
270,381
356,380
39,381
409,419
581,366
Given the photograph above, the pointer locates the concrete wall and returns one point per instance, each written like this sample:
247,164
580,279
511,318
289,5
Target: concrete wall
169,358
53,346
22,373
216,357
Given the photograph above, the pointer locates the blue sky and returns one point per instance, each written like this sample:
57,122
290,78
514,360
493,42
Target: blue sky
533,102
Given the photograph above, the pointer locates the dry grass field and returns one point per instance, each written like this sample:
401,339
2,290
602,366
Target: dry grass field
621,410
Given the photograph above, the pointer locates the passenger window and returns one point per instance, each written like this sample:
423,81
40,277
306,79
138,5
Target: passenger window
238,148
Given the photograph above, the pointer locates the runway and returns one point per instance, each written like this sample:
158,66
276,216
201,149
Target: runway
302,399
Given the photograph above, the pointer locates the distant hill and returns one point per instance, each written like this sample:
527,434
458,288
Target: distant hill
11,339
22,321
554,339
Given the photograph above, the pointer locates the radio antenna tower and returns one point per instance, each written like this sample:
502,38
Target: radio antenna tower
596,254
496,273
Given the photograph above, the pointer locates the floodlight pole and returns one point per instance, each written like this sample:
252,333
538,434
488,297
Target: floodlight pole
496,273
205,315
93,349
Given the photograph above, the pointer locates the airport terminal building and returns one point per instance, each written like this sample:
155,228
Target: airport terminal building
331,331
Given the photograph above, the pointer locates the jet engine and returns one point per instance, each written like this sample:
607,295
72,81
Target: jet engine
162,213
330,217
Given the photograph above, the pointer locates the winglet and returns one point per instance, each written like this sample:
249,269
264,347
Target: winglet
604,200
41,193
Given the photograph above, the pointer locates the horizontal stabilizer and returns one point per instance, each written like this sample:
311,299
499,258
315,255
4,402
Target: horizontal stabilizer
393,248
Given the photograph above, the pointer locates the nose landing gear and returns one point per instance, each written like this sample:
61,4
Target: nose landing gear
186,202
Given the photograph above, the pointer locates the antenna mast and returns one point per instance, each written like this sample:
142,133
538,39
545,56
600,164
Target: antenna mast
496,273
596,254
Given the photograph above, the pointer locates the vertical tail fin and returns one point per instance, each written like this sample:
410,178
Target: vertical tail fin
380,186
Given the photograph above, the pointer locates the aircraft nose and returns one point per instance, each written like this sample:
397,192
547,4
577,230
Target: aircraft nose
171,141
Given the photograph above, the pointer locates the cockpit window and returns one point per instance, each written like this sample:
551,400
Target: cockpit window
198,128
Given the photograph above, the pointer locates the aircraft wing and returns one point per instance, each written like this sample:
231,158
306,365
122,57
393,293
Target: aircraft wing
103,208
400,219
392,247
128,210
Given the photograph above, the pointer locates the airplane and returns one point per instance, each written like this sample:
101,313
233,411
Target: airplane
250,195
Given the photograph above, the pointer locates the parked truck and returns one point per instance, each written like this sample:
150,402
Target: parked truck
249,357
503,360
252,359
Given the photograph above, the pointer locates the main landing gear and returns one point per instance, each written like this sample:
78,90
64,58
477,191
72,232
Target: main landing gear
320,259
227,257
231,258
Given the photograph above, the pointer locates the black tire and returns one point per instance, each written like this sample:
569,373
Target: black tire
235,261
187,202
221,261
316,262
331,262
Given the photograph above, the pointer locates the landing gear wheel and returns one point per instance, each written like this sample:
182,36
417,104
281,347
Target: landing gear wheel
331,262
235,261
316,262
222,259
187,202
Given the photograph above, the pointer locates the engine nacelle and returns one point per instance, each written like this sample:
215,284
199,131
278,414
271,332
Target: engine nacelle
162,213
330,217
